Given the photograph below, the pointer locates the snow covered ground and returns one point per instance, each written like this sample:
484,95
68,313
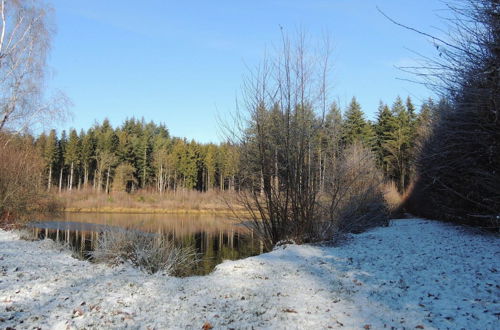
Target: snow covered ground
413,274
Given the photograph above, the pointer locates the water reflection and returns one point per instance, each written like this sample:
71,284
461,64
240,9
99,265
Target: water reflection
215,238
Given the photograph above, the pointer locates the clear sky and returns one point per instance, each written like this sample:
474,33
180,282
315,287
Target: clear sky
182,62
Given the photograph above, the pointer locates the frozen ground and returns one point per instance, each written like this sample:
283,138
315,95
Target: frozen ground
414,274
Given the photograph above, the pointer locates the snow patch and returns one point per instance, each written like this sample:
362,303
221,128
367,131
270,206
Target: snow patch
414,273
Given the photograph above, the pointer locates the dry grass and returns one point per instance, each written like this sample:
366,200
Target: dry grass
392,196
149,252
394,199
185,201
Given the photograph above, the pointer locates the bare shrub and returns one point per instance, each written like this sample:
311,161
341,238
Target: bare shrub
353,200
150,252
19,173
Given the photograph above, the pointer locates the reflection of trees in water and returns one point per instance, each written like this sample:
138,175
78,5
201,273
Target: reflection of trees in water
213,246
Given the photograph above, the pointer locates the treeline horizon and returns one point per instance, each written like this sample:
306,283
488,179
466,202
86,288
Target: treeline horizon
143,155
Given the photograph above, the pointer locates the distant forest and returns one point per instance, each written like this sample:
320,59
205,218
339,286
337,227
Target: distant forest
143,155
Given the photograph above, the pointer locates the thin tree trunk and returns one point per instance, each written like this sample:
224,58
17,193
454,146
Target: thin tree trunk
49,184
161,179
85,175
60,179
107,180
71,176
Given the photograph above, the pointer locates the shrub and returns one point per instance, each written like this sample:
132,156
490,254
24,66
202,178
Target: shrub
149,252
354,198
20,191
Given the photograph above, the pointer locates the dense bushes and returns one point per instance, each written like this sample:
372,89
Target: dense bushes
459,166
20,168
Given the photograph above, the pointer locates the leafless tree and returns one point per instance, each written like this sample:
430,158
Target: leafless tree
282,98
287,150
25,39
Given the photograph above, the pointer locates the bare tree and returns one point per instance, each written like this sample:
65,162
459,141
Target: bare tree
285,103
25,38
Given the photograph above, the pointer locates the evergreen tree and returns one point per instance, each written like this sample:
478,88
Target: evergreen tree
355,127
61,152
397,144
87,154
382,127
210,165
50,156
72,155
106,145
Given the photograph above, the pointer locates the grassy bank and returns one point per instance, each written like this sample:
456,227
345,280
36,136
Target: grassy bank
149,202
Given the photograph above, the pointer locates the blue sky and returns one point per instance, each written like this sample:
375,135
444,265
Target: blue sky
182,62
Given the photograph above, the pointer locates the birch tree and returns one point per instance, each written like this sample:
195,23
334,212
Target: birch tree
25,39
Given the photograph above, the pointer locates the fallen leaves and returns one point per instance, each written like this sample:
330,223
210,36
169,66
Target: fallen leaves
289,310
207,326
77,312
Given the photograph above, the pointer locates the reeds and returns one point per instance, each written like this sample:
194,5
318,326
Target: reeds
144,201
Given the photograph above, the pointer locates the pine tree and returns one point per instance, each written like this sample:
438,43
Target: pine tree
72,155
50,156
106,144
61,151
355,127
382,127
87,154
397,144
210,165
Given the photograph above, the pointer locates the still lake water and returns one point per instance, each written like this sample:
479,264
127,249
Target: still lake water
215,238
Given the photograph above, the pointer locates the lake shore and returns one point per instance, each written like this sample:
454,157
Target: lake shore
414,274
143,202
140,210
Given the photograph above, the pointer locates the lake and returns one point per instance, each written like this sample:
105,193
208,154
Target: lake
215,238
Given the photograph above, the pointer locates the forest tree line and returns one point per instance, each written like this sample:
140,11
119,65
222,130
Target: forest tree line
143,155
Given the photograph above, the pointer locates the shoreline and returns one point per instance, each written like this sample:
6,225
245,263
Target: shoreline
135,210
413,274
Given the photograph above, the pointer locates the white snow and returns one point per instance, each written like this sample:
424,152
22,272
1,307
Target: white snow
413,274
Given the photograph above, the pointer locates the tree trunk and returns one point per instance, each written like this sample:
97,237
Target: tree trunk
71,176
161,179
60,179
85,175
208,180
49,184
107,180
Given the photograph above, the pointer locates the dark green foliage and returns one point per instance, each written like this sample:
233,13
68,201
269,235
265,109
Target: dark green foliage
161,162
355,127
142,154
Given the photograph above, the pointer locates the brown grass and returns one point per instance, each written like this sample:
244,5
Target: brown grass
394,199
185,201
148,252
